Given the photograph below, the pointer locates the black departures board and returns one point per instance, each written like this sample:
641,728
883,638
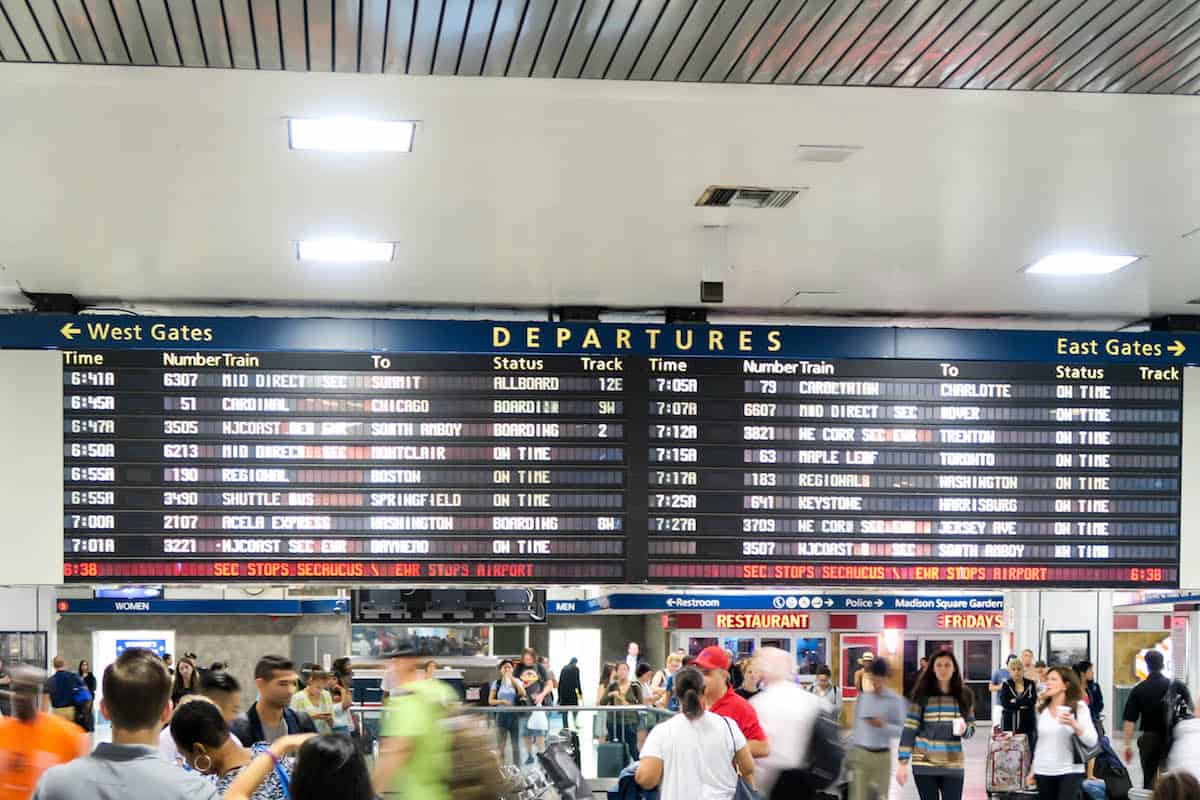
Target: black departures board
910,472
565,469
411,468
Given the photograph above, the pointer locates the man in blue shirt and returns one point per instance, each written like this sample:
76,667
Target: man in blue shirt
60,690
999,676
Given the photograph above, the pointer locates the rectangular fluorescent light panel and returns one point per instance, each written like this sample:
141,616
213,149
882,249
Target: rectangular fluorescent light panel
351,135
1079,264
345,251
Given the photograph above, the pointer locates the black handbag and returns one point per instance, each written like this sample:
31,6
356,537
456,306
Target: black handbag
743,790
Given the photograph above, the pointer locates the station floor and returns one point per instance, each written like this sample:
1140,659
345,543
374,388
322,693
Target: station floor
976,758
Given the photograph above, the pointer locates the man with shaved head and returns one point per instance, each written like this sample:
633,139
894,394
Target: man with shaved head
788,715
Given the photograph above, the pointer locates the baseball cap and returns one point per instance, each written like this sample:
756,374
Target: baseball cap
712,658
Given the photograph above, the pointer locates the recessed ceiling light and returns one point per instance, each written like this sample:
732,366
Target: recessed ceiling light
1079,264
351,135
345,251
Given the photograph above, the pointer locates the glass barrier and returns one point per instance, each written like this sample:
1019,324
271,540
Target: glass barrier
606,738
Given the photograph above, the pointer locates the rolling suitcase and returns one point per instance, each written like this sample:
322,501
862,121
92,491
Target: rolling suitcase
1008,764
610,759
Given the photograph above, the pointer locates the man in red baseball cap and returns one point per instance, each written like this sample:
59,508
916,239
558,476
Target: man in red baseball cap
723,700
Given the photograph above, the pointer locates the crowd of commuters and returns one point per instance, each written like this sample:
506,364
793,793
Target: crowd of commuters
180,731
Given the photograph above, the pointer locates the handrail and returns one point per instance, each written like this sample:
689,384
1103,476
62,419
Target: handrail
467,707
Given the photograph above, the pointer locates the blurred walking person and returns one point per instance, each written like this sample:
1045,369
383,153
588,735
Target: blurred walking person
1147,704
879,716
62,691
32,741
414,753
787,715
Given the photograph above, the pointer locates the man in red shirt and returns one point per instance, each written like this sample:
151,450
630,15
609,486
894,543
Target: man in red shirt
723,700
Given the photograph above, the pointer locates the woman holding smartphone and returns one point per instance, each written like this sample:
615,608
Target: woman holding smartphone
1062,717
940,716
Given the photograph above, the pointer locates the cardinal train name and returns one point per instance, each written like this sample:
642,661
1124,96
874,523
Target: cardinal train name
616,338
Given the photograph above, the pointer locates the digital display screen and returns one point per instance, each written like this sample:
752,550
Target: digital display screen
779,471
186,465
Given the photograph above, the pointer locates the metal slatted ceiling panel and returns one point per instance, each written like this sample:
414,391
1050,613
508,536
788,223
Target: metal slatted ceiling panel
1116,46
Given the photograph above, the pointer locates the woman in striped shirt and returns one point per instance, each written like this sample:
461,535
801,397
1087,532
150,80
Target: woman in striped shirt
940,716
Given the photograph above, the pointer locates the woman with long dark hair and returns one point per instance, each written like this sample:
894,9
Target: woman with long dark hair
507,691
696,754
1062,717
187,680
83,712
622,690
328,767
940,716
600,726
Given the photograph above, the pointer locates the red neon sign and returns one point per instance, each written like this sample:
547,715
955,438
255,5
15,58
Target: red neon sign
742,622
983,620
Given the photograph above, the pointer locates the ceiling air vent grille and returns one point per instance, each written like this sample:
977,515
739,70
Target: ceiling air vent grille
746,197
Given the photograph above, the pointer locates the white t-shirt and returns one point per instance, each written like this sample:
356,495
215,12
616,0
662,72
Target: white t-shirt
1055,755
697,757
1185,752
788,714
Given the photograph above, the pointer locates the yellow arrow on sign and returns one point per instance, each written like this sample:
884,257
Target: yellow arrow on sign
70,330
1176,349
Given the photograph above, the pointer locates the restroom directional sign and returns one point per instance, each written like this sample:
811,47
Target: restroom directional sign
780,602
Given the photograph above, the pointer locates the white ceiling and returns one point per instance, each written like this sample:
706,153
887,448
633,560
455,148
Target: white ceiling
177,185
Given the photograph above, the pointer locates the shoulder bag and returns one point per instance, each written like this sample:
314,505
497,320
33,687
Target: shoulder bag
743,790
1083,753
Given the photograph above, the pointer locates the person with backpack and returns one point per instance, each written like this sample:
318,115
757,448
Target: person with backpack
826,690
788,716
508,691
878,719
414,753
940,716
1158,703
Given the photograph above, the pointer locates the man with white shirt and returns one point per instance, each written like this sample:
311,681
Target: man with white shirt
787,713
631,657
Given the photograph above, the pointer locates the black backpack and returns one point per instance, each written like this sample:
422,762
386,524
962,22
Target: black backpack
825,758
1176,707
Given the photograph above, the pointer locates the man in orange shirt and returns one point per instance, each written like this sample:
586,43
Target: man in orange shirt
31,741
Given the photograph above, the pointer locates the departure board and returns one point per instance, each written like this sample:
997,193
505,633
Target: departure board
504,465
778,471
269,466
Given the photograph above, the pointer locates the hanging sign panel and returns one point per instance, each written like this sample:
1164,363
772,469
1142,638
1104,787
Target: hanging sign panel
533,453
